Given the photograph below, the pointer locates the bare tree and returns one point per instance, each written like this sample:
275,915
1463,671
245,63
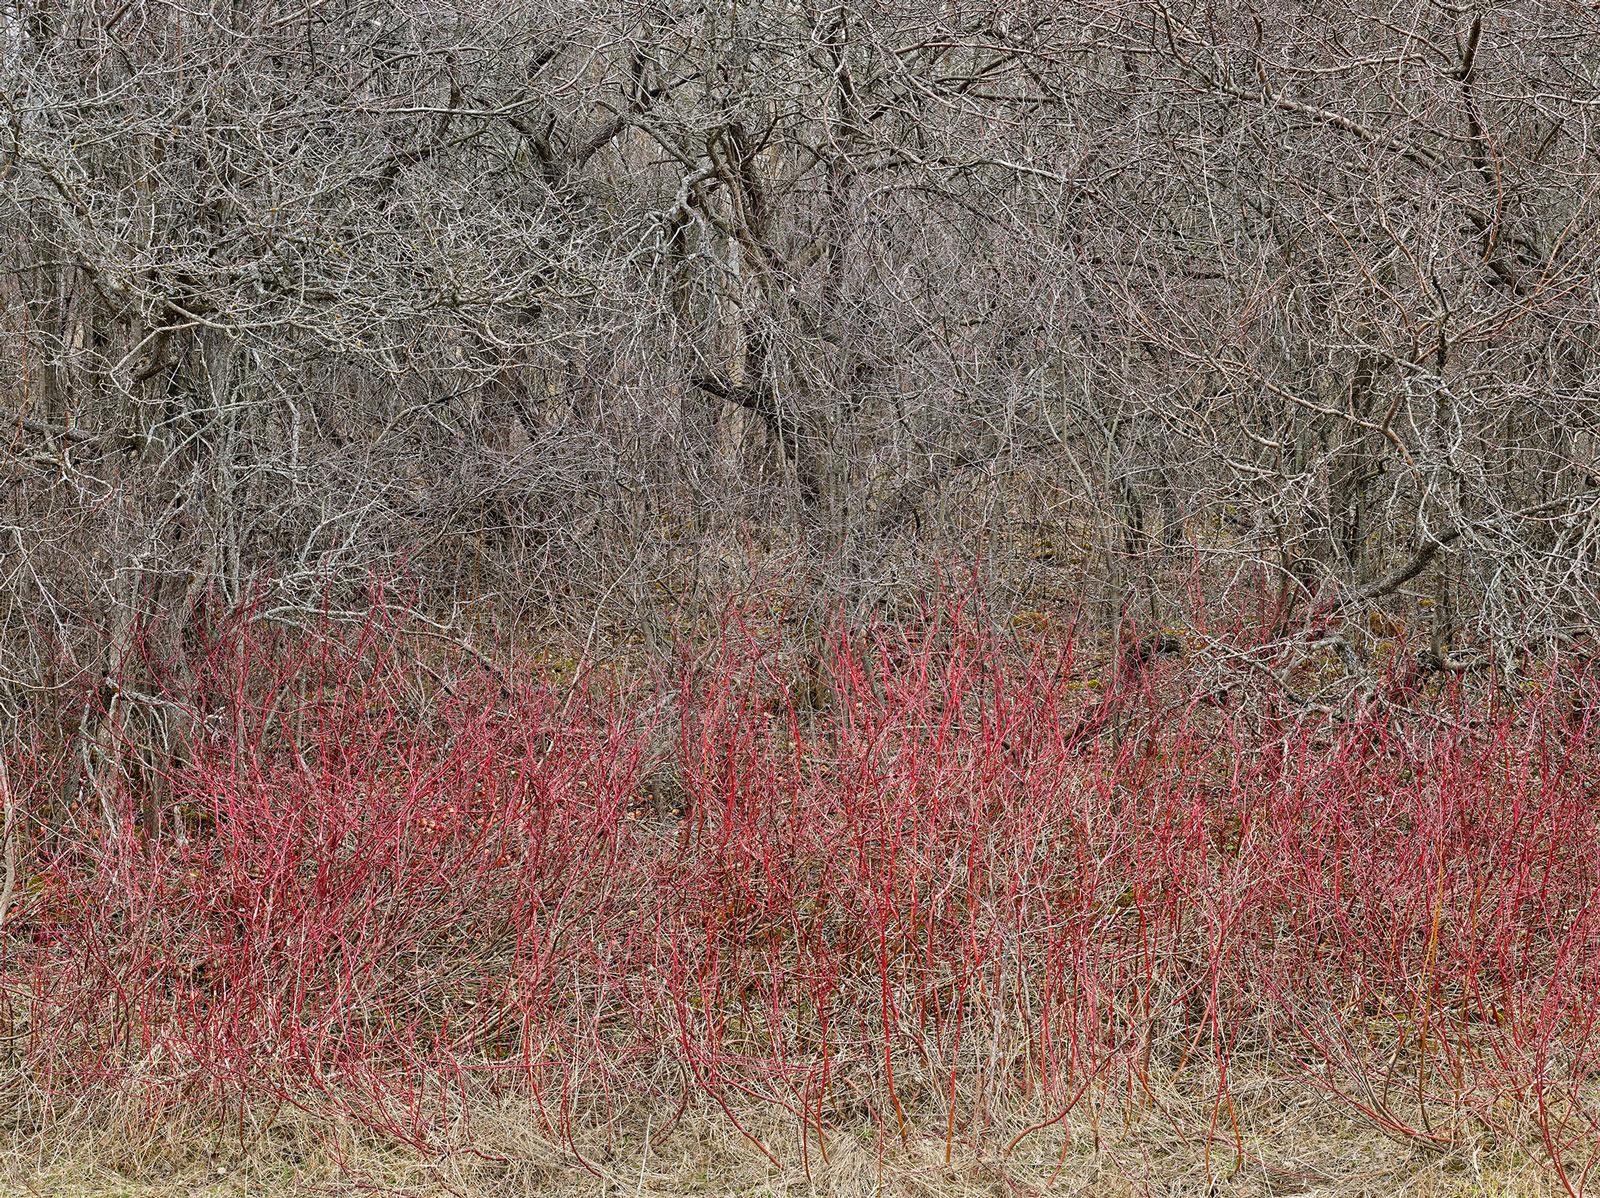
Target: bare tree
569,306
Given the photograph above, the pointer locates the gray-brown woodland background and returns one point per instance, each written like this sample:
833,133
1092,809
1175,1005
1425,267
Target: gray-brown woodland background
579,313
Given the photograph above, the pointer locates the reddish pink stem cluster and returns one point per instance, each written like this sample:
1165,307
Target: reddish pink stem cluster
969,878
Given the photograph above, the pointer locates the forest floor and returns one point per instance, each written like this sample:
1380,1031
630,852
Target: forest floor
1309,1148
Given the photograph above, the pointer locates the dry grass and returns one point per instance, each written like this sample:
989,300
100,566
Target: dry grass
1292,1145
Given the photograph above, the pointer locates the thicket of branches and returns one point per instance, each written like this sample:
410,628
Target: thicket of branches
565,307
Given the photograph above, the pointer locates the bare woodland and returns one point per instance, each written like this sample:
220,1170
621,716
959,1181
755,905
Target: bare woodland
574,312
